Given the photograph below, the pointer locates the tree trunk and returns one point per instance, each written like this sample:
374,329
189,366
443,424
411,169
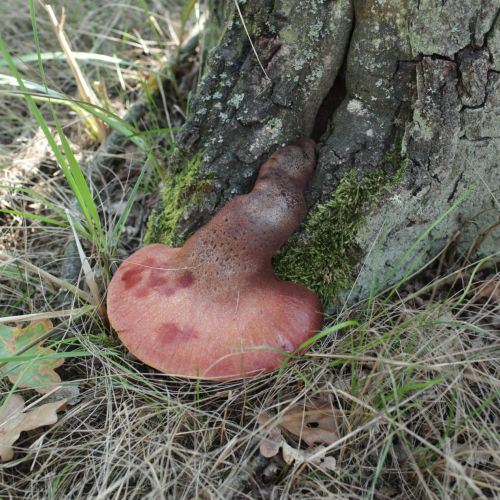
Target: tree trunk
402,97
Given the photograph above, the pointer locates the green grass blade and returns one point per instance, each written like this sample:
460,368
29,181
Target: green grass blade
30,87
118,228
29,215
327,331
380,464
75,174
71,170
36,196
101,59
58,355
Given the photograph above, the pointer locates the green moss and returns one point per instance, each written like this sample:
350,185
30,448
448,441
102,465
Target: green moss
182,189
326,255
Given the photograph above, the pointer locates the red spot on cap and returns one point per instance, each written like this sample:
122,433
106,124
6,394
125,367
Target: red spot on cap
142,291
132,276
166,290
170,332
162,283
157,279
185,280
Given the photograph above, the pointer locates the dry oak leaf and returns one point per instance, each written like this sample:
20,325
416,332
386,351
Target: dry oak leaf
271,443
37,372
313,424
489,290
13,421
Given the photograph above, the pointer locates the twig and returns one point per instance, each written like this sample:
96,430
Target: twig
46,315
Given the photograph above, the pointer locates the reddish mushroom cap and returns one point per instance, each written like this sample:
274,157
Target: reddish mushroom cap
214,309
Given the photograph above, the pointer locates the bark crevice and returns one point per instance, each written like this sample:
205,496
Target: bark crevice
409,87
239,116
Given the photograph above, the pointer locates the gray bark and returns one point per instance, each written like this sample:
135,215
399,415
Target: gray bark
381,85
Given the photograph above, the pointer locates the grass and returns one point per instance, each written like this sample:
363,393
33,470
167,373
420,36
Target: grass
411,372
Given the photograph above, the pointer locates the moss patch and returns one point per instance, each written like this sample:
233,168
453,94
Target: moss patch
326,255
182,189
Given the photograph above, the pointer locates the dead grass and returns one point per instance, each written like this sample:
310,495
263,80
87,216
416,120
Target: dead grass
415,385
416,388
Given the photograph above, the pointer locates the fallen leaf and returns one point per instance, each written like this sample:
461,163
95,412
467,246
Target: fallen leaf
71,393
37,373
313,456
13,421
489,290
271,443
313,424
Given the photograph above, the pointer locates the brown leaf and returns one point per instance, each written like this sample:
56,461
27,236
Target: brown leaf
313,424
489,290
13,421
271,443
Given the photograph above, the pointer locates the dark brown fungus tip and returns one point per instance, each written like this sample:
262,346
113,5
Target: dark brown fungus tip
214,309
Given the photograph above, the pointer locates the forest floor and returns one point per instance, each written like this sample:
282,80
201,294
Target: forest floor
398,398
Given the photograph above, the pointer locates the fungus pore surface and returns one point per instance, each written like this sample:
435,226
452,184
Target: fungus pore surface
214,309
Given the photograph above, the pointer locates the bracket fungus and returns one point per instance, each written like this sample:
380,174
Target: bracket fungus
214,309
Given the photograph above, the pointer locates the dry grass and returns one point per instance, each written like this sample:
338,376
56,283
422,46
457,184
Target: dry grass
415,383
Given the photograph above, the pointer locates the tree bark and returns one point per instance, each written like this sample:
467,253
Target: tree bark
402,97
